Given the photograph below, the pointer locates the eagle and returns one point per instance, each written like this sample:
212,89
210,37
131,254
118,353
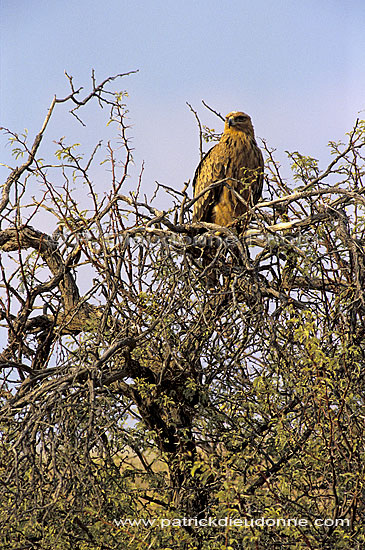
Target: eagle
238,161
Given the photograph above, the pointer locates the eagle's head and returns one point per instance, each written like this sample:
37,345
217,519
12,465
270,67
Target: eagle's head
236,121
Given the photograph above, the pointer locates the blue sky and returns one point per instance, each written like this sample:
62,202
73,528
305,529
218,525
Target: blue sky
297,67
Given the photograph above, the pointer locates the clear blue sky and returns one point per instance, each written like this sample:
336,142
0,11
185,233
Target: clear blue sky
297,67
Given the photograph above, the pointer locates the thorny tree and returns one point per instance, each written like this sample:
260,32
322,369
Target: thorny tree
131,388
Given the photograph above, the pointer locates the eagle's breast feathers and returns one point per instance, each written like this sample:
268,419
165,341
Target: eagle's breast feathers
236,156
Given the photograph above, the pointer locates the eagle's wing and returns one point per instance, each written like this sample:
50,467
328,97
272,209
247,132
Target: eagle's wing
256,188
212,168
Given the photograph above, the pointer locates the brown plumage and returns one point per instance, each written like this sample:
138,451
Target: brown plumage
236,156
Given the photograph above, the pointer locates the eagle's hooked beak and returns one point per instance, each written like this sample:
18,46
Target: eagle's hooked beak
230,122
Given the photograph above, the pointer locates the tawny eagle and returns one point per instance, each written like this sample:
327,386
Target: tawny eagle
238,161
